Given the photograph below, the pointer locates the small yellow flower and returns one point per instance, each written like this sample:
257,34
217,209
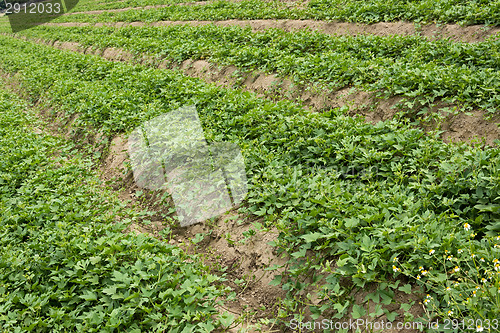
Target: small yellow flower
450,313
483,280
420,268
481,260
448,288
467,226
497,267
395,269
424,272
418,277
460,250
495,260
431,252
450,258
456,269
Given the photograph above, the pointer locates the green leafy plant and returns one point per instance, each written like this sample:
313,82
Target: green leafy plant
351,200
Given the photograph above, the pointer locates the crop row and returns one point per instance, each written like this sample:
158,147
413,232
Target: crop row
66,265
449,11
380,201
91,5
458,73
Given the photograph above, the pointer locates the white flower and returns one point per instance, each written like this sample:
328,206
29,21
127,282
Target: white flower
431,252
479,328
467,226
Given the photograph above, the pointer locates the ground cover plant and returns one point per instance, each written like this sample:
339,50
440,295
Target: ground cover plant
424,11
449,11
91,5
66,265
426,72
369,203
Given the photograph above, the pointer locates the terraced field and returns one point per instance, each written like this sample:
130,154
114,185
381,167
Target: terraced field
371,155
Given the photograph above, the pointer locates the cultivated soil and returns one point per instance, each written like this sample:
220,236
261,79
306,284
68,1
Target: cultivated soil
471,126
454,32
225,243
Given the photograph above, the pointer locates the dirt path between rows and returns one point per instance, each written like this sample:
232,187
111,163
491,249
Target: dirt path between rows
455,32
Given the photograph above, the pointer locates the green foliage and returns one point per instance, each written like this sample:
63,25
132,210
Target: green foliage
366,11
371,11
66,265
90,5
372,199
425,72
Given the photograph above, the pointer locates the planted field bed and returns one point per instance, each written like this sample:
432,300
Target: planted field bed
435,84
383,209
463,75
444,11
94,5
66,265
